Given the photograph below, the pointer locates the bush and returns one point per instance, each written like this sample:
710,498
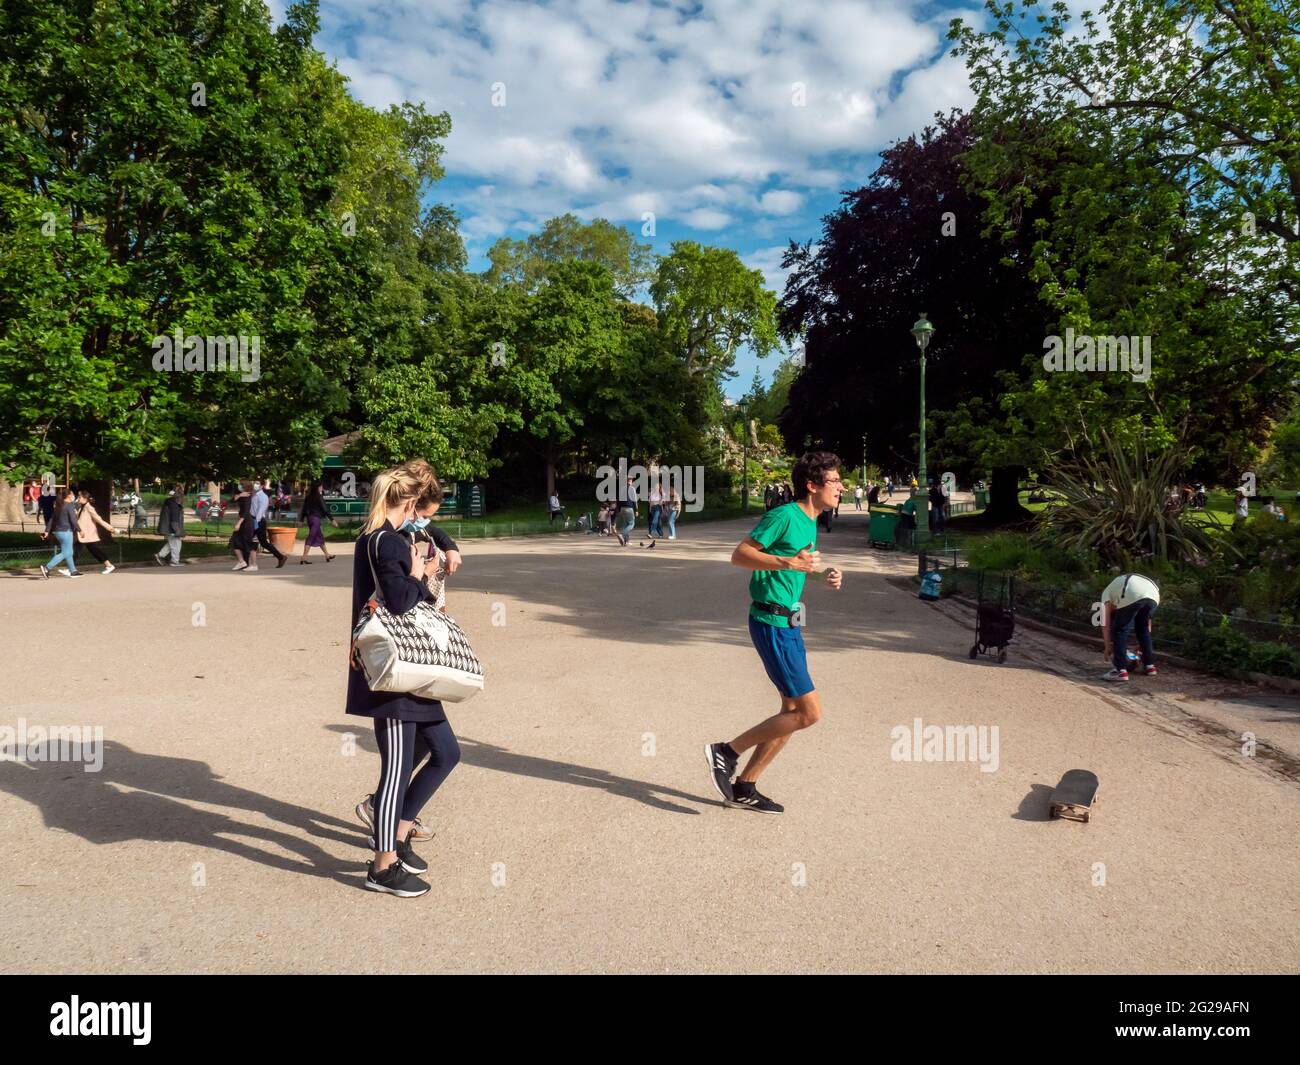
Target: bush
1223,649
1114,504
1009,552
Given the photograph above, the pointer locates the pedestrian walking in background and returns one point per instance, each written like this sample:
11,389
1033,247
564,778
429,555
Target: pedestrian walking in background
557,511
88,525
48,501
243,541
656,502
257,508
62,526
626,512
857,497
937,517
672,508
314,511
171,526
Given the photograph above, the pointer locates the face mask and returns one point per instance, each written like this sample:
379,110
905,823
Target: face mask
407,526
420,523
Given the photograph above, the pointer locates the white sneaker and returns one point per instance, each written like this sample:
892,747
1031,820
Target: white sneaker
239,565
251,569
64,572
109,567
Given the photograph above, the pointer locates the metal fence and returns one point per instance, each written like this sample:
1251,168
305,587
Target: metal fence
1077,609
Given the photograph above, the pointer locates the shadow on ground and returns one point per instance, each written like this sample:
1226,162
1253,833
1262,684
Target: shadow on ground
95,806
490,756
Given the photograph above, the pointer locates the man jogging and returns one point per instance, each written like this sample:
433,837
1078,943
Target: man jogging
780,552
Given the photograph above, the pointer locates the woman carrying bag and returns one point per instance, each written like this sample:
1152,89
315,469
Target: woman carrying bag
387,568
88,525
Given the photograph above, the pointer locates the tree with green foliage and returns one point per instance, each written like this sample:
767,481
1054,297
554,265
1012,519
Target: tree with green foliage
568,338
568,239
709,304
909,242
175,167
1166,134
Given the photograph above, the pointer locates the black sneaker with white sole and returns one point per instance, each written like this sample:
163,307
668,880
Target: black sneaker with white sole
722,767
747,797
396,881
411,861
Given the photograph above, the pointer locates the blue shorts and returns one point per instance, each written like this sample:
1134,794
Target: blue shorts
783,657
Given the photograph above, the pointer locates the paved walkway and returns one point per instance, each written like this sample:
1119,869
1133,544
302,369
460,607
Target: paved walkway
580,832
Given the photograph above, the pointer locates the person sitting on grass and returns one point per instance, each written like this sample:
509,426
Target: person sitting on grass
1128,603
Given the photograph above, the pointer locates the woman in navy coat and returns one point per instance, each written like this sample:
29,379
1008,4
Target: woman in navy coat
383,551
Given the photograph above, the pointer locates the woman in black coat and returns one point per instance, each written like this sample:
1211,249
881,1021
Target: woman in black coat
243,541
386,558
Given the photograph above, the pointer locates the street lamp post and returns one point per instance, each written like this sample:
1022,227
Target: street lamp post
922,331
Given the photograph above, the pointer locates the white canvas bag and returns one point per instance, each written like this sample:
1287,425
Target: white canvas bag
422,652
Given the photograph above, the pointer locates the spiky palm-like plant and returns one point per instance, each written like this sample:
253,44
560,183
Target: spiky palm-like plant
1113,503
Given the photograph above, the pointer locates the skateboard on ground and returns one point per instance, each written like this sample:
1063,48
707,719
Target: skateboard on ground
1076,793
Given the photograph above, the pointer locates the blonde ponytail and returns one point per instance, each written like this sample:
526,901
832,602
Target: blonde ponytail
391,489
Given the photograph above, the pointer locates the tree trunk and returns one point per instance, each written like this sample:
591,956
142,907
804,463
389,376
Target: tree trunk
101,494
551,458
1004,497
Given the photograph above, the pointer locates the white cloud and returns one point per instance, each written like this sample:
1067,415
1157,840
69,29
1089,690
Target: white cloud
780,201
613,108
706,218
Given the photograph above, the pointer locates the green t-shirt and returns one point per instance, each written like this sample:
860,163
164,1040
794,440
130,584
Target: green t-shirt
784,531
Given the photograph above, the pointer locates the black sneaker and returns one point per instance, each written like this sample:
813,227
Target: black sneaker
722,767
77,574
747,797
395,881
410,861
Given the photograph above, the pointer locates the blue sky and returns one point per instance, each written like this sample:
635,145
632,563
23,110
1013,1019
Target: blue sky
736,122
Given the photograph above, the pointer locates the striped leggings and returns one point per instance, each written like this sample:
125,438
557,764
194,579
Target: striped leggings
401,797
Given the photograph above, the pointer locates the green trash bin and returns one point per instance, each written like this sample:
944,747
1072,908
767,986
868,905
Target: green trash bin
981,498
883,530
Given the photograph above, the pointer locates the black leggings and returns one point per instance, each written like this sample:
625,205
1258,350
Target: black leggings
95,549
399,796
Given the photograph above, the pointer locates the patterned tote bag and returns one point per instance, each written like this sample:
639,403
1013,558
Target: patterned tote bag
422,652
